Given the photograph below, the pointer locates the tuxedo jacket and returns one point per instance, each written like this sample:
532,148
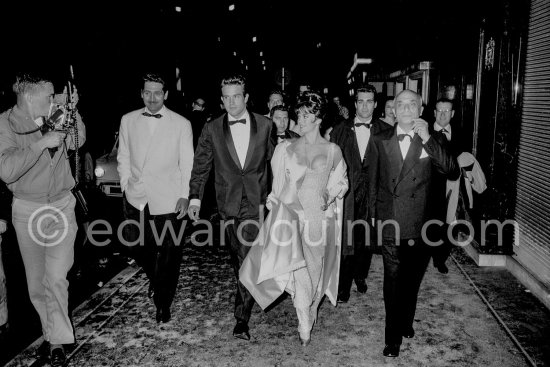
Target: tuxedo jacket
400,189
457,144
454,147
155,168
216,149
355,201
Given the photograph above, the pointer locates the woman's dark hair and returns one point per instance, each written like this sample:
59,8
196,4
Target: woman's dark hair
312,102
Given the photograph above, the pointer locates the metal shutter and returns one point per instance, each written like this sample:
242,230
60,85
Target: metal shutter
533,184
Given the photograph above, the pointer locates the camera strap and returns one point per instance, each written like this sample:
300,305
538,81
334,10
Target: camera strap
17,132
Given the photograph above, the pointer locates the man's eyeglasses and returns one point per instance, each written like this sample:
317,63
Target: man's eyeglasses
443,111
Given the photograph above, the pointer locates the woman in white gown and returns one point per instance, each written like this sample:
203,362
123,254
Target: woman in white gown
298,246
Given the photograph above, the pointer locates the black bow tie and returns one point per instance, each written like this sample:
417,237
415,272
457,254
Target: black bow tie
403,136
359,124
241,121
156,115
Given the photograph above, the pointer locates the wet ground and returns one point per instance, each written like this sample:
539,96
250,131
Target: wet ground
454,326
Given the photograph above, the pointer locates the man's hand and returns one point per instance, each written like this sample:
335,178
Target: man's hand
193,212
327,199
181,207
420,127
52,139
3,226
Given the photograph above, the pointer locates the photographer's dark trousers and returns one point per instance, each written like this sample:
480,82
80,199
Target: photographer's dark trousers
156,248
404,268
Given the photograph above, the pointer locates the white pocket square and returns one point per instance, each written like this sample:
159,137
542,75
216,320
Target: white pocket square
424,154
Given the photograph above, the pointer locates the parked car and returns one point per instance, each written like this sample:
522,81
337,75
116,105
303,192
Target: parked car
106,174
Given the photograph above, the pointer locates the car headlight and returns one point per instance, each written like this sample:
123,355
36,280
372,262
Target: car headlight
99,172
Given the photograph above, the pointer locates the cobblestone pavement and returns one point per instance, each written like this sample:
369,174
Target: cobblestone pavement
453,326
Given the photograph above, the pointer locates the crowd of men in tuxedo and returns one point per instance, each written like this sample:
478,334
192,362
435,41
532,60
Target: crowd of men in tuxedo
165,161
395,173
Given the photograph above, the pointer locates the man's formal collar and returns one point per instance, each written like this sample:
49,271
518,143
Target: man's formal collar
438,127
356,120
245,116
399,130
162,111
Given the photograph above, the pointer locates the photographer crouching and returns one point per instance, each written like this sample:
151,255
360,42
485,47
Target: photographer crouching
35,166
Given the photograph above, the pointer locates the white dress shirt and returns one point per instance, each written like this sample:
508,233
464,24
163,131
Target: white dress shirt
362,134
241,138
405,143
447,131
241,135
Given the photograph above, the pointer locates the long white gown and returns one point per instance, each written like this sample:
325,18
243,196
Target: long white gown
298,247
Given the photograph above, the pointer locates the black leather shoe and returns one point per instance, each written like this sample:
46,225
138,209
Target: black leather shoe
408,333
43,351
57,357
241,331
443,269
361,285
391,350
159,315
343,297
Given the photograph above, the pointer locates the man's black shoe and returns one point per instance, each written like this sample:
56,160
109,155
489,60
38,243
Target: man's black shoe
43,351
4,329
443,269
57,357
408,333
391,350
343,297
241,331
158,316
361,285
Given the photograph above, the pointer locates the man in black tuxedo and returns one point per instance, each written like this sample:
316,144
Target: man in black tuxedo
352,136
279,115
401,165
238,144
198,117
443,113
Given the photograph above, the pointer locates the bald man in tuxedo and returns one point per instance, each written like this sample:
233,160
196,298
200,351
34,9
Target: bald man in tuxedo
402,165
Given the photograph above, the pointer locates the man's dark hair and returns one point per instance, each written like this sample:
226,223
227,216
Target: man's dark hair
444,100
234,80
155,78
365,88
280,107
